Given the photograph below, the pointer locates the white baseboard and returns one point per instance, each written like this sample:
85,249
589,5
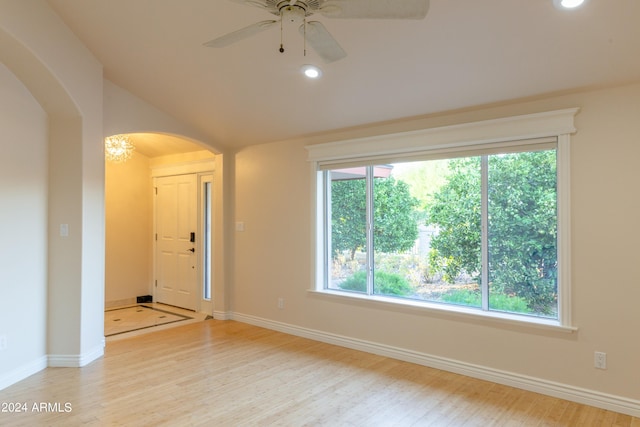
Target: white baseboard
75,360
222,315
52,360
563,391
22,372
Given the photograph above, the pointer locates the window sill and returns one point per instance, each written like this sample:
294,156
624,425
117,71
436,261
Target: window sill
447,311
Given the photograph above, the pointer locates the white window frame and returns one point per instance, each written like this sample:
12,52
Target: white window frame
443,142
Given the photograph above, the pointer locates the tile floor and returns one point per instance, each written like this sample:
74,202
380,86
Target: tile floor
125,322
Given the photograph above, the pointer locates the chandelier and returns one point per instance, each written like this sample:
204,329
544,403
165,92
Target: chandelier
118,148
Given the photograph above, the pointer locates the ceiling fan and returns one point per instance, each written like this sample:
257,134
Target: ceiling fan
314,33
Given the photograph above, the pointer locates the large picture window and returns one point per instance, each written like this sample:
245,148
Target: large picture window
478,231
467,225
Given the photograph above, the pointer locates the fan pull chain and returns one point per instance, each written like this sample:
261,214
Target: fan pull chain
281,45
304,47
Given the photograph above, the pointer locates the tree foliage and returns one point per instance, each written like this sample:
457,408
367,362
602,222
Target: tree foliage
456,211
521,224
394,221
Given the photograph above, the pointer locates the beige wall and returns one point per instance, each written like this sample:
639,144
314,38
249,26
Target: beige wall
273,255
129,216
175,160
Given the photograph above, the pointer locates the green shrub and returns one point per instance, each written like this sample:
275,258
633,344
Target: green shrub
500,302
384,283
463,297
413,267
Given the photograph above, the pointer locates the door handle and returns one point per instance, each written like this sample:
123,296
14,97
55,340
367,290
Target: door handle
192,249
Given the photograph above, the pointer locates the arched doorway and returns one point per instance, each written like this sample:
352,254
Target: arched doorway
135,263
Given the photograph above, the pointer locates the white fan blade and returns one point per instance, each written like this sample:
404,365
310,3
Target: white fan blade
322,42
375,9
240,34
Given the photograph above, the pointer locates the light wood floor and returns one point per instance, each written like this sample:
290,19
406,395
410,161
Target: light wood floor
225,373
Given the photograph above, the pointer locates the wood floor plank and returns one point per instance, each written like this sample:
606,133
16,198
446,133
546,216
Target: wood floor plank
226,373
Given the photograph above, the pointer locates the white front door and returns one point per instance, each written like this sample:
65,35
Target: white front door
176,231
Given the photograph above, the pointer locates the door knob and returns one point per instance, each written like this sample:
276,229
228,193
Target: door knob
192,249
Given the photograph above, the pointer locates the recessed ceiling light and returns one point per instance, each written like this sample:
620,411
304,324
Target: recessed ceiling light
567,4
311,71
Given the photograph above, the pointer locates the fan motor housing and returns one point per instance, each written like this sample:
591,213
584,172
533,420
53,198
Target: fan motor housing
294,14
284,7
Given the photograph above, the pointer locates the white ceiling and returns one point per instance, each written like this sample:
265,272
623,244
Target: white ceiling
465,53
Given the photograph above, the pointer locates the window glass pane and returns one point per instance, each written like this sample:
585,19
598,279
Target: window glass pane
522,233
453,217
426,230
348,223
395,232
206,246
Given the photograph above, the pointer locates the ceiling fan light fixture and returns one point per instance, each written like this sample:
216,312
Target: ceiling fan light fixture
567,4
311,71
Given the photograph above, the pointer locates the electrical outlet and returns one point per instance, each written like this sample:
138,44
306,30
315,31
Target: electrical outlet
280,303
600,360
3,342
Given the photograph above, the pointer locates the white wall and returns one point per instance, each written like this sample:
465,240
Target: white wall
126,113
66,80
273,259
23,226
